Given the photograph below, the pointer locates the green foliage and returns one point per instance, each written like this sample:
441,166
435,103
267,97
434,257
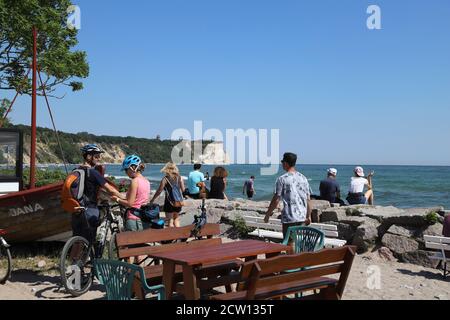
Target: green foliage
4,105
44,177
241,227
353,212
56,61
431,218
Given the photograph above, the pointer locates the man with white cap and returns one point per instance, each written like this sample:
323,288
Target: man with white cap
329,188
356,193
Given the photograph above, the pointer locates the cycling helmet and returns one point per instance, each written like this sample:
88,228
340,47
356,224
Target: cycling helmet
91,148
130,161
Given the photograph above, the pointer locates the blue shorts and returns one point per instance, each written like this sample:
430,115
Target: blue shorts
357,199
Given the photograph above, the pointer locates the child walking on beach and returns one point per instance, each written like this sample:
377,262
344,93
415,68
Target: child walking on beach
174,188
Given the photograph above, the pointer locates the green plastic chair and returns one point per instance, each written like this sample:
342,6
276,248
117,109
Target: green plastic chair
306,239
118,277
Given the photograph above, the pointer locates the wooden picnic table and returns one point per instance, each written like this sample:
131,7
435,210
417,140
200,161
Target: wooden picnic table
193,258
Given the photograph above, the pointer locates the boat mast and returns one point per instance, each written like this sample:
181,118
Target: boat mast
33,115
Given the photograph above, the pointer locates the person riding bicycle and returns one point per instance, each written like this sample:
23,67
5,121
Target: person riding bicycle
86,220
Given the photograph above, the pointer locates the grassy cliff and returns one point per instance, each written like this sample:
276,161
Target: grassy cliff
151,150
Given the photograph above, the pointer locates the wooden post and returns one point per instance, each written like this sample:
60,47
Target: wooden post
33,115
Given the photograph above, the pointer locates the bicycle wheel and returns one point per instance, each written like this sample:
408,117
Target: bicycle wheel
76,266
5,264
113,253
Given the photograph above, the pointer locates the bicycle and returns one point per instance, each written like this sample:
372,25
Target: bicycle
5,259
77,257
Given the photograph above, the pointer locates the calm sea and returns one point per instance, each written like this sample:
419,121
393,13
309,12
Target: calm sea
400,186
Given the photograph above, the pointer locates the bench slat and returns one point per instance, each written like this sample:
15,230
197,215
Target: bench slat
437,246
282,289
436,239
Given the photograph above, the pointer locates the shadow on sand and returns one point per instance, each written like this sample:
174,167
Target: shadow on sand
426,274
47,286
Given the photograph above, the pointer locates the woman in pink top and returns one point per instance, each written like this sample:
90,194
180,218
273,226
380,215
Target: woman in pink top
138,193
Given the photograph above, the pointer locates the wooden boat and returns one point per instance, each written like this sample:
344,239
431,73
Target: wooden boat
35,213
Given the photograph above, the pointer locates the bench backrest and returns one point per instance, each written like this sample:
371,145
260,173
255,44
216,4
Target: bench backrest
133,243
275,224
437,243
269,272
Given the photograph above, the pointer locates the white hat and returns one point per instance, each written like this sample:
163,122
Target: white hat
332,171
359,171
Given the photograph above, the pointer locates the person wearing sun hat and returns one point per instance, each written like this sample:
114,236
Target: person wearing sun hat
356,193
329,188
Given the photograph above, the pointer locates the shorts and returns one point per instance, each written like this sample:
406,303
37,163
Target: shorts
136,225
168,208
356,198
250,194
85,224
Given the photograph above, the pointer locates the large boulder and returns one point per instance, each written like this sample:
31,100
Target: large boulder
432,230
399,245
402,231
345,231
366,235
420,257
235,214
320,204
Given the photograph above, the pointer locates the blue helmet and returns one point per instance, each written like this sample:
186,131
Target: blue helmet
91,148
130,161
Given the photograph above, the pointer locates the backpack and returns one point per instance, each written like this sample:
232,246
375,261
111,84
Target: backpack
174,195
72,194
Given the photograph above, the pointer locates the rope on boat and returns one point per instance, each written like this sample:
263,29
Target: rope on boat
53,123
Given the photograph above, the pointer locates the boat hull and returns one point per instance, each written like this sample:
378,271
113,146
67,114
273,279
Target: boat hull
34,215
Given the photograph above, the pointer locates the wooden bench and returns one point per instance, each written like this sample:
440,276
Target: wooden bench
267,279
274,230
142,243
442,244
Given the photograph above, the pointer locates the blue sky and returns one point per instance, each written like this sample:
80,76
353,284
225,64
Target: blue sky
338,92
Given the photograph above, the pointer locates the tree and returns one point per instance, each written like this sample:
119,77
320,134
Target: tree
59,65
4,105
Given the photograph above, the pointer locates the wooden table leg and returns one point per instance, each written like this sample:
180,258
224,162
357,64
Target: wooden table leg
191,291
168,276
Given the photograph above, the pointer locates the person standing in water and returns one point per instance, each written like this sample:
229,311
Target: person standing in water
249,187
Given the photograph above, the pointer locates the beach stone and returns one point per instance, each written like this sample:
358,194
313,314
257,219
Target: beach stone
366,235
399,244
41,264
333,215
433,230
214,215
414,217
320,204
420,257
402,231
386,254
345,231
235,214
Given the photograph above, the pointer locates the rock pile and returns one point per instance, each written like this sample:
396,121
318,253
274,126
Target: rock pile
396,232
